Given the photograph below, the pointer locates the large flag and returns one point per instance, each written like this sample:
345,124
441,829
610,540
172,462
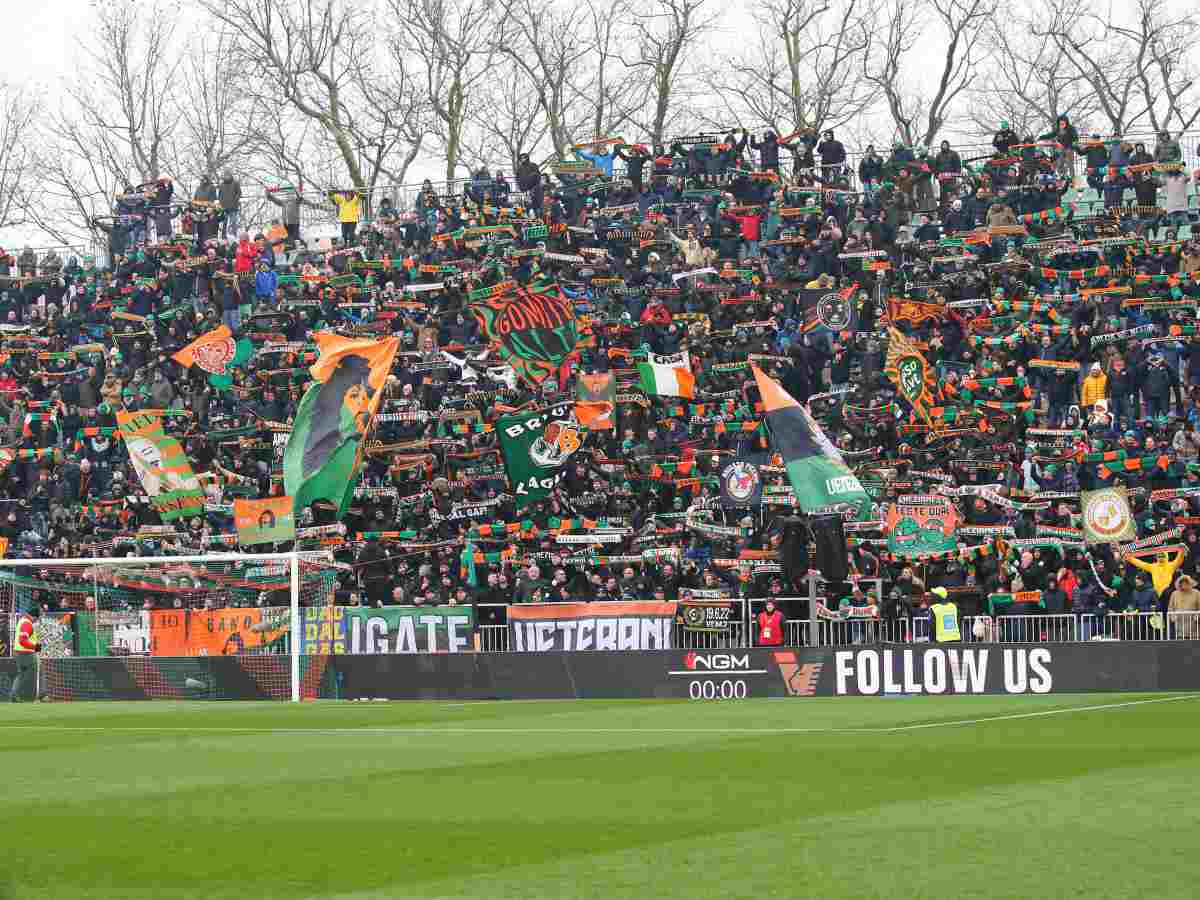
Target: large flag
535,331
324,450
595,400
668,376
741,483
535,447
909,371
828,310
919,525
163,467
1107,516
819,476
264,521
216,353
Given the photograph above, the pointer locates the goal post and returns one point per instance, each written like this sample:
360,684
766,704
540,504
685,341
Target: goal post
219,626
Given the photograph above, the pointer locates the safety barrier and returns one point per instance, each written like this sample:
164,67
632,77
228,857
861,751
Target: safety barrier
1014,629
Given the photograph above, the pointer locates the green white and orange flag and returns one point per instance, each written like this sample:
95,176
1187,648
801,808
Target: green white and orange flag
161,464
820,477
668,376
324,451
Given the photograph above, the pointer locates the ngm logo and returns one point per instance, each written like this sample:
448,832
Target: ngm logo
717,662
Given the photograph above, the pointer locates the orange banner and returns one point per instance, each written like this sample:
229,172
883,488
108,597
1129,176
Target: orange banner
211,632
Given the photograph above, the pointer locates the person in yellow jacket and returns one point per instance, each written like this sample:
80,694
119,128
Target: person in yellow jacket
25,651
1094,387
1162,573
349,209
944,617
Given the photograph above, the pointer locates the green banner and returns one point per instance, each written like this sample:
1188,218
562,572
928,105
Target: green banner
535,447
388,629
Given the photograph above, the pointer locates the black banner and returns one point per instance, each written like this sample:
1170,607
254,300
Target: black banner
710,617
696,674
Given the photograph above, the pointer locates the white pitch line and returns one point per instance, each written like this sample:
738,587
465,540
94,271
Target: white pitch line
400,730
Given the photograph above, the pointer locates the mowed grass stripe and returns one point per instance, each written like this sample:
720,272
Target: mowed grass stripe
295,815
393,730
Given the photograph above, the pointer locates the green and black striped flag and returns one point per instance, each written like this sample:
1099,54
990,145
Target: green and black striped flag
820,478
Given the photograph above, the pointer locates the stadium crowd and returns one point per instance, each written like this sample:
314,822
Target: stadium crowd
1060,340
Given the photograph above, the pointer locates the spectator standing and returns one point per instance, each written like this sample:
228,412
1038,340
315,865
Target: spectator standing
230,195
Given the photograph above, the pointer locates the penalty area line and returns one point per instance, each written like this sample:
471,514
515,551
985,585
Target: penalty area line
735,731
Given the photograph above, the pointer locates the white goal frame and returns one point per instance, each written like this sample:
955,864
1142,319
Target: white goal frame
293,559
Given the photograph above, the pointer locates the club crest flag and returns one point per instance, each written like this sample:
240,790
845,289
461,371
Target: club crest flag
534,330
819,476
1107,517
825,310
216,353
536,447
741,484
595,400
908,369
920,526
324,451
668,376
264,521
161,465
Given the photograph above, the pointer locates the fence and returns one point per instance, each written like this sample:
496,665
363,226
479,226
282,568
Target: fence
318,213
1015,629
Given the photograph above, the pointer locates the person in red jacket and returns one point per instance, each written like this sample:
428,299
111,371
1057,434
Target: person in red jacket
25,651
770,626
751,230
247,253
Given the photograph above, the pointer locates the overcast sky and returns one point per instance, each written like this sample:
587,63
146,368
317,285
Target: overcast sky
45,38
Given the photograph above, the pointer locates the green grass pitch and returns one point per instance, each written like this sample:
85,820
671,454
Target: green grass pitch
1091,796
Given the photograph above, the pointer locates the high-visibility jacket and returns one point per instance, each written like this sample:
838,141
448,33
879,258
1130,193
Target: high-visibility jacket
770,628
26,641
347,206
945,622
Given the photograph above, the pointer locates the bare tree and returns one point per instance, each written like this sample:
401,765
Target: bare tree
666,33
803,72
1135,61
918,119
1027,84
546,44
609,92
506,120
452,39
19,110
321,60
118,124
219,118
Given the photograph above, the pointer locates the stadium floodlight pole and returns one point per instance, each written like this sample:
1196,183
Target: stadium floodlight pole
294,642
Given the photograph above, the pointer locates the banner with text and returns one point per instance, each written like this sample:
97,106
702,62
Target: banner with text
389,629
545,627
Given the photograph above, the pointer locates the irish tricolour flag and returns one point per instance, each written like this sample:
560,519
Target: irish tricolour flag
668,376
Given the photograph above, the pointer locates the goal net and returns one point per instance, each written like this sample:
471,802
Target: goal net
180,628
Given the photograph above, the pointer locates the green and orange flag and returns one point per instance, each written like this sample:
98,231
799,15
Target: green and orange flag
161,465
216,353
324,451
534,330
909,370
820,478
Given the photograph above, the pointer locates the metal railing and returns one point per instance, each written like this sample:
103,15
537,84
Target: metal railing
1014,629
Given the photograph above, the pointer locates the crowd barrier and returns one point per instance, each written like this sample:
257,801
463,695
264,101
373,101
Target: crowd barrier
498,628
937,669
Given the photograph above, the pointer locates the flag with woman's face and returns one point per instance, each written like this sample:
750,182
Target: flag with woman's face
324,450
